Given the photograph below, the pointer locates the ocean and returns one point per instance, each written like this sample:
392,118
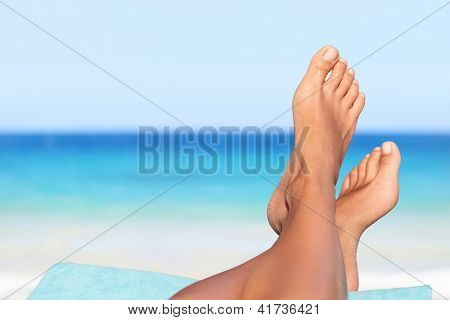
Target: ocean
58,191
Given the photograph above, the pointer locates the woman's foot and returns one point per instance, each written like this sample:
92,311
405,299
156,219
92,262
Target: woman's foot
325,114
368,193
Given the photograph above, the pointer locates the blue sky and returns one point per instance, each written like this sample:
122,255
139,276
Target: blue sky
227,63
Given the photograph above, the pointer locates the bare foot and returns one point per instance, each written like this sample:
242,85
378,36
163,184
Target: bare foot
325,114
368,193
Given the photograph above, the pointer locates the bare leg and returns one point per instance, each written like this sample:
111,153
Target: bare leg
306,261
227,285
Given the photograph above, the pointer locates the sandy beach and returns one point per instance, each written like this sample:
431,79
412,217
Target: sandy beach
198,250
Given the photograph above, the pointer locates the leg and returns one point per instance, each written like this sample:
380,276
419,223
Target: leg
231,284
306,261
227,285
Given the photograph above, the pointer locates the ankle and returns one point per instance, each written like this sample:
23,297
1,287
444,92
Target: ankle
310,183
309,191
349,228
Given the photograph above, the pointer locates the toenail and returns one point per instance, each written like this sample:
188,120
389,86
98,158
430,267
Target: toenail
330,54
355,81
367,155
351,71
376,149
362,94
386,148
343,61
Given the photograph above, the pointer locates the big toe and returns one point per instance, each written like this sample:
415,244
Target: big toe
390,155
388,174
321,64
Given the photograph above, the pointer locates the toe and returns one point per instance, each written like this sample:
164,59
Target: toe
358,105
351,96
362,171
321,64
345,185
346,83
373,164
348,138
353,178
390,155
336,75
388,172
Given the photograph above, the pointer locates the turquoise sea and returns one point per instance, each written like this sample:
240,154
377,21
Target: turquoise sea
95,176
58,190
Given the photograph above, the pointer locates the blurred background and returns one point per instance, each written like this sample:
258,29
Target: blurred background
68,130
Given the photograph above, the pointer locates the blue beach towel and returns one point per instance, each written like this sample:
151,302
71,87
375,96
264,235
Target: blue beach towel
69,281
